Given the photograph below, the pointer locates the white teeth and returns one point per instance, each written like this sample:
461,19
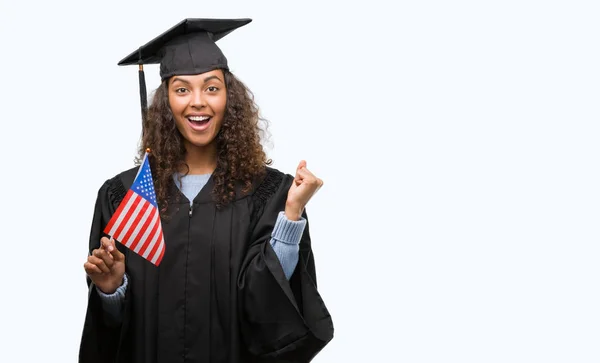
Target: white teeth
198,118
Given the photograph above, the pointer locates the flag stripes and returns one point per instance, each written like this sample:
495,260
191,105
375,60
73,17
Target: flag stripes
136,222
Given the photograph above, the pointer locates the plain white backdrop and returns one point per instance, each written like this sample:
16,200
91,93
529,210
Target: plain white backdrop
458,142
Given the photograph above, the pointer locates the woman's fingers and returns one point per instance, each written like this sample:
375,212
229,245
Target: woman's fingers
301,164
113,250
102,254
91,269
308,177
99,263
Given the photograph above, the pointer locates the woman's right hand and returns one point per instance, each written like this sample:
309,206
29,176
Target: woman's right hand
106,266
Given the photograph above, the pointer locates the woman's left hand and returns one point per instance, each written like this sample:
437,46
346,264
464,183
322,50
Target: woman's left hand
304,186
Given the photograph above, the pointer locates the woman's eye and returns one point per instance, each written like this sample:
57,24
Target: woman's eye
180,90
212,89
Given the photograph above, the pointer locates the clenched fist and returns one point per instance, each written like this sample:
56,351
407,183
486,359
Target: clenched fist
106,266
304,186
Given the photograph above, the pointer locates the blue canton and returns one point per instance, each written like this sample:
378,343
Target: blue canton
144,185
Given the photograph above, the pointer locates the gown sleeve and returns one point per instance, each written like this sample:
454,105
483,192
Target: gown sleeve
281,320
102,336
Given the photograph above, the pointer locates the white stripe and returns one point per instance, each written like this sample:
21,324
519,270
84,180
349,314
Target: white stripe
131,219
145,235
152,243
140,224
120,219
158,251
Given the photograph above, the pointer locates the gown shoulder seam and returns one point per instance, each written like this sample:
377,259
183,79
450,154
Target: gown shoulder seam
116,187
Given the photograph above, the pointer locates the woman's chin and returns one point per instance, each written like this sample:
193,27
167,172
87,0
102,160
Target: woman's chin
200,142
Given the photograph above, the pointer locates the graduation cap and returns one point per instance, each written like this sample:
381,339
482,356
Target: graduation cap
187,48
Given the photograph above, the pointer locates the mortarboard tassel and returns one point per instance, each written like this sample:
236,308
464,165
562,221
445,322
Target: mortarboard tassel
143,94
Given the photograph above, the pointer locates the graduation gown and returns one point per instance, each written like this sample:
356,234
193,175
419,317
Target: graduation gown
219,294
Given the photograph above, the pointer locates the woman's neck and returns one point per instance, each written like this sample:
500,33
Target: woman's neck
201,160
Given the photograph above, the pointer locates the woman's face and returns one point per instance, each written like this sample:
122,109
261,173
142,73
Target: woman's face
198,105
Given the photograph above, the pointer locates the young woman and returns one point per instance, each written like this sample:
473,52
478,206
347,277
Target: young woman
236,282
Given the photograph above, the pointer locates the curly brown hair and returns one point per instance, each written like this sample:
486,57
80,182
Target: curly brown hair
240,155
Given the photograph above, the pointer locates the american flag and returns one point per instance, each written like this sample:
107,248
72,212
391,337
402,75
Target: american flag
136,222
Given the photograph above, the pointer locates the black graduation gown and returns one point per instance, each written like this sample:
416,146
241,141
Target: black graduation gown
219,294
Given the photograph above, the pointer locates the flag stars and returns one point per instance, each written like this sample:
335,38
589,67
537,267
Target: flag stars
144,185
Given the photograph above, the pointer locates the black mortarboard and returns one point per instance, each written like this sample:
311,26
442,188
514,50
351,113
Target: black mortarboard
187,48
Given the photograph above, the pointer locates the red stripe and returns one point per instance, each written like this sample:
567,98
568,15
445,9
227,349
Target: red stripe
136,221
149,220
119,210
118,227
151,254
146,243
136,201
162,253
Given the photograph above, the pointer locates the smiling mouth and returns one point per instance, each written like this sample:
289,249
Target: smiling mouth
199,120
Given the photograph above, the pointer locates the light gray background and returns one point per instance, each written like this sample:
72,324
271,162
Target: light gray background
458,142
